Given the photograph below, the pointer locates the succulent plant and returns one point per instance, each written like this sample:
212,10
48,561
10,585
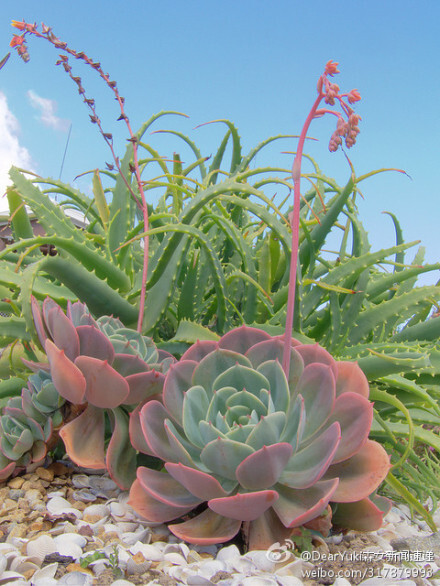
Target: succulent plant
28,423
41,401
99,367
254,449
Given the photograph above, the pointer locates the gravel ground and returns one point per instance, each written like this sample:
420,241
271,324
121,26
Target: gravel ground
61,526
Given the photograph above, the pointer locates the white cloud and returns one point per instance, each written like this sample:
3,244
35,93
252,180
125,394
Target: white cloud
11,152
47,109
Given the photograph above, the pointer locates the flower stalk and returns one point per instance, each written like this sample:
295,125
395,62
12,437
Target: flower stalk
19,42
329,92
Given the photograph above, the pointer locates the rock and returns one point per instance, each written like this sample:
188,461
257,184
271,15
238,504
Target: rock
16,482
45,474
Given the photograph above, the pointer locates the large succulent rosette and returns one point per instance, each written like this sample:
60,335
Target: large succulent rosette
103,370
245,448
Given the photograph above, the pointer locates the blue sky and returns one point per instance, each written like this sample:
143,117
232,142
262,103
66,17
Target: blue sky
253,62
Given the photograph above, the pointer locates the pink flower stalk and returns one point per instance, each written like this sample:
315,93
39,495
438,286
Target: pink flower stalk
347,128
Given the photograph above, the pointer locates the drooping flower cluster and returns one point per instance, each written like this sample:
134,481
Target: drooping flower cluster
347,124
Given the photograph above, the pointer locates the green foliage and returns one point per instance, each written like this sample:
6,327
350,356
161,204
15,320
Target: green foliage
219,255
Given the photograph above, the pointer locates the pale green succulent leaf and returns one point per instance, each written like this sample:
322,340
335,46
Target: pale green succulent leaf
317,387
279,389
240,433
209,432
195,407
309,464
214,364
218,402
248,401
221,423
241,378
222,456
267,431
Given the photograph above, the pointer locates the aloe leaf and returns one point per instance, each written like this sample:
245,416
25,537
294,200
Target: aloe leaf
396,361
321,231
100,298
190,332
101,202
427,330
12,328
11,387
349,270
185,308
401,489
236,146
171,269
49,214
245,162
400,256
74,196
382,283
89,258
166,249
42,286
398,306
20,220
377,395
193,147
415,391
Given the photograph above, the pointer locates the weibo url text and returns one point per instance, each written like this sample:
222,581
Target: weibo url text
390,572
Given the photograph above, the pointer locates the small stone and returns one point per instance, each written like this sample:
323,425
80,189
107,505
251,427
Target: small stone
16,482
23,504
36,526
78,568
91,518
33,495
18,531
45,473
77,504
59,469
110,537
16,493
8,506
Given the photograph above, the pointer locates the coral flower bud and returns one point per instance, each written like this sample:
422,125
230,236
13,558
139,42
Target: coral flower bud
353,96
16,40
331,68
21,25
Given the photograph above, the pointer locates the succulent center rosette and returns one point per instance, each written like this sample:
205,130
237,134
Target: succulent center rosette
103,370
254,450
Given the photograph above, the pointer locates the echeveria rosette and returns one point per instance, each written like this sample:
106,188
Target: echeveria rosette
104,369
261,453
28,424
22,439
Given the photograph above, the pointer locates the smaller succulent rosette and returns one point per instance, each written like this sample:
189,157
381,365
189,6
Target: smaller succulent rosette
247,448
28,423
22,439
103,370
